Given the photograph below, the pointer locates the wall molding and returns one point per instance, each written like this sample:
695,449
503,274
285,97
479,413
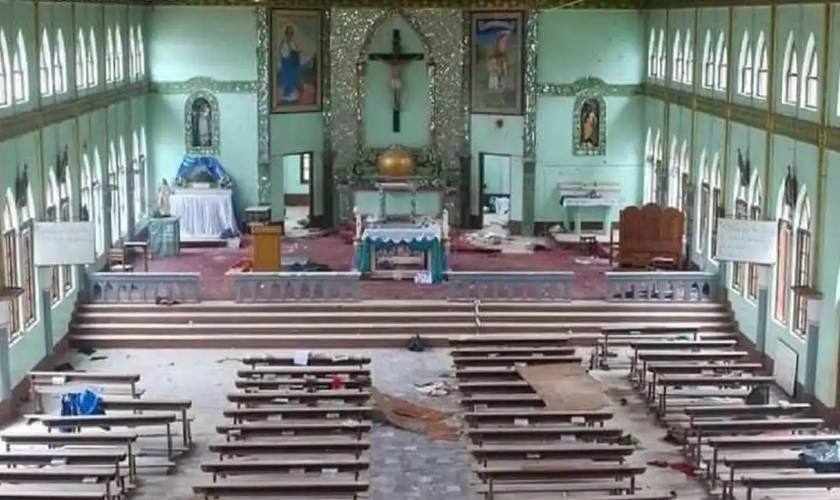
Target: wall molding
404,4
588,84
199,83
31,121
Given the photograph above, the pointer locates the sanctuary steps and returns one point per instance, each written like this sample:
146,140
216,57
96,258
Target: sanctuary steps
371,324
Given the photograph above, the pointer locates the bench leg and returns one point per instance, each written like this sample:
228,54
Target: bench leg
731,492
185,428
749,493
170,453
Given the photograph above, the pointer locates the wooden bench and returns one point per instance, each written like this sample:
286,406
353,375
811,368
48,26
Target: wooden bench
648,357
622,336
314,360
523,340
729,381
300,428
553,471
37,476
78,422
505,351
45,382
351,465
550,451
738,463
66,456
495,387
320,445
514,417
45,492
792,481
746,411
658,369
618,490
500,373
542,433
503,401
180,406
285,383
706,428
348,372
514,360
298,413
770,442
358,397
296,489
676,345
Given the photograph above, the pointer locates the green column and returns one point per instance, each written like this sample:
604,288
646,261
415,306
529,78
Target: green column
529,170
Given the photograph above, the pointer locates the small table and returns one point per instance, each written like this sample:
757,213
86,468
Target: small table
141,247
164,237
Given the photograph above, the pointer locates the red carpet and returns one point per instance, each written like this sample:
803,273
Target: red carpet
213,263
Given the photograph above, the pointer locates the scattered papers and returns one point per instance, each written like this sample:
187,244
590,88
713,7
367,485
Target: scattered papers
434,388
301,358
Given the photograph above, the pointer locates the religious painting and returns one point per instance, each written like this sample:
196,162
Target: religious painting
296,44
497,58
201,124
589,125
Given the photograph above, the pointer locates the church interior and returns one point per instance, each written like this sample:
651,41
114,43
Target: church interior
428,249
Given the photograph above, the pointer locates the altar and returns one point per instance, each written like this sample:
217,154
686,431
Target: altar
576,197
401,251
205,214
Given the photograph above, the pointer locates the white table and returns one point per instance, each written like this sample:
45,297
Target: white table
205,214
606,204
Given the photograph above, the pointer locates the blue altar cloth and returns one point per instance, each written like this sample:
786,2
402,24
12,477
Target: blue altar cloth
217,172
416,239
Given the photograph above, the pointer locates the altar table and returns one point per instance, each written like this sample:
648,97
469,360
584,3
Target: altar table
205,214
427,240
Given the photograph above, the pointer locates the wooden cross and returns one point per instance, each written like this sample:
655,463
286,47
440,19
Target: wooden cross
396,59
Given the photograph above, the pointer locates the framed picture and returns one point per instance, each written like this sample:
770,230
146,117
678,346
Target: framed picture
497,60
296,62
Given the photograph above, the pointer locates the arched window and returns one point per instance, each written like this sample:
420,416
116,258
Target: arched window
741,212
5,72
10,262
45,64
658,157
810,69
722,60
790,82
51,215
674,174
119,56
92,61
88,203
803,265
122,183
81,58
662,56
132,54
756,202
709,68
113,193
67,277
762,65
109,56
60,64
98,206
780,305
704,201
679,59
137,188
141,53
26,216
20,71
684,176
745,67
716,206
688,55
653,62
141,162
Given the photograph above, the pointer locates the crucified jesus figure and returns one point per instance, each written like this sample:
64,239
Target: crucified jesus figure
396,84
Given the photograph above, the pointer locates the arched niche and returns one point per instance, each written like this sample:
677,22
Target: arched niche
590,120
201,124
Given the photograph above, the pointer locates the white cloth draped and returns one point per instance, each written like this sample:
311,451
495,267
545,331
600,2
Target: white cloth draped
402,234
204,213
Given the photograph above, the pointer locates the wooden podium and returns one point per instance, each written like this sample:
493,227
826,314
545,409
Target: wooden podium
266,251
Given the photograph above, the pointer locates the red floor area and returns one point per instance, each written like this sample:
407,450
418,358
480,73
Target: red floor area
213,263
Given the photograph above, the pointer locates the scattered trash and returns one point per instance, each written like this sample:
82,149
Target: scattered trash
438,388
684,467
64,367
417,343
87,351
336,382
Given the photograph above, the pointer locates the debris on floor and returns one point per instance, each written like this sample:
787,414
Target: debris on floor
414,418
438,388
679,466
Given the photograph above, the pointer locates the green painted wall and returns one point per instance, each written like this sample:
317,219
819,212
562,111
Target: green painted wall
82,136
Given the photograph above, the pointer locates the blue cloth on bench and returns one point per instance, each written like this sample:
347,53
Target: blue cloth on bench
86,402
824,458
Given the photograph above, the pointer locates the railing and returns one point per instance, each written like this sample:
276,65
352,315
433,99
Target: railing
143,287
296,287
510,287
662,286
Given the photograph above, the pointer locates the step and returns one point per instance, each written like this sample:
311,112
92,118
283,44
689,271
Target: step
253,317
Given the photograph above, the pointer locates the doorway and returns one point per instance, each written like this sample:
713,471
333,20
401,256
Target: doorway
298,196
494,197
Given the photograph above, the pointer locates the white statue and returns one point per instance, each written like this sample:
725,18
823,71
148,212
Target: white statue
164,193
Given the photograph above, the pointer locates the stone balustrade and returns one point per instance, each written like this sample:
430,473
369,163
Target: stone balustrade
658,286
547,286
143,287
297,287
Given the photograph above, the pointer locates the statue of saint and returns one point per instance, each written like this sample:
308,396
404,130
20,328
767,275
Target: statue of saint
164,193
202,127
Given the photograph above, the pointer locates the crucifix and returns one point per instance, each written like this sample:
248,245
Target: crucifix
396,59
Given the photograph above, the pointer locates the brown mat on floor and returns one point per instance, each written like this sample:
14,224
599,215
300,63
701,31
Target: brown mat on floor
565,387
414,418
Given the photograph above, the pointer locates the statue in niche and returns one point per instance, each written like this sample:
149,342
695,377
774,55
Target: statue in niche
164,193
590,124
202,123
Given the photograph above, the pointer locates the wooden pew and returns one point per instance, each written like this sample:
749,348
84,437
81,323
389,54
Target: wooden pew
792,481
66,456
721,444
543,433
487,373
677,345
705,428
664,356
314,360
503,351
308,446
553,471
729,381
503,401
746,411
741,462
347,396
495,387
351,465
348,372
39,476
622,336
657,369
526,489
523,340
550,451
46,382
54,492
276,384
298,413
518,359
282,428
295,489
179,406
512,417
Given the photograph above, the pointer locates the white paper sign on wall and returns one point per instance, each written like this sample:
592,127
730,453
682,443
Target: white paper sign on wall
63,243
743,240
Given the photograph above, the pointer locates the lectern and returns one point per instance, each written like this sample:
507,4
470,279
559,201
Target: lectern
266,252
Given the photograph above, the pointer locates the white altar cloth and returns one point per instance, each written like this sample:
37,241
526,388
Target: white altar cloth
403,234
204,213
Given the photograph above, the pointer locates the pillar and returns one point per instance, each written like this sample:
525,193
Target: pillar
529,173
